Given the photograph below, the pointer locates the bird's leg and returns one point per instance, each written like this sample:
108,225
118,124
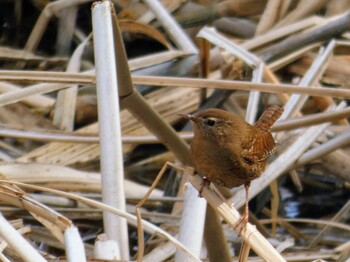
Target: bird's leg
204,183
241,224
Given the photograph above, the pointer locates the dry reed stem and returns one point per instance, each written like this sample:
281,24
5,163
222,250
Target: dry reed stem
66,99
274,204
269,16
253,237
140,237
149,227
86,79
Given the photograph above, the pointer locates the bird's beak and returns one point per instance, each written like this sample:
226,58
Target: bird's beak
188,116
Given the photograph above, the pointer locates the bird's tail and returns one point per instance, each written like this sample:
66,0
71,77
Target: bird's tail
269,117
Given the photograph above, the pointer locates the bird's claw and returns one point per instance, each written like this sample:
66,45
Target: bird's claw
204,183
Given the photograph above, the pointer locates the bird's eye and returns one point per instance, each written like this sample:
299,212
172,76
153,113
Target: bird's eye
210,122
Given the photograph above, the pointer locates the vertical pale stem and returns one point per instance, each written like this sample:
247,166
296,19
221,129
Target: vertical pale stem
75,250
109,121
192,224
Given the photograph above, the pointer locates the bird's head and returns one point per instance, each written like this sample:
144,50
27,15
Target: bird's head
214,123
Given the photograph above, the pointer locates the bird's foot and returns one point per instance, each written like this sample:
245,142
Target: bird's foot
204,183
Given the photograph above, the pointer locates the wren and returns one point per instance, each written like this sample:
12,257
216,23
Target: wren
228,151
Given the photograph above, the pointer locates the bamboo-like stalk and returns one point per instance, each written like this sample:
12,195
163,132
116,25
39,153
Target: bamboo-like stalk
18,243
110,132
171,26
253,237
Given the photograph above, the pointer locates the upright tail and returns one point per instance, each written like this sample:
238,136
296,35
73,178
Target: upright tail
269,117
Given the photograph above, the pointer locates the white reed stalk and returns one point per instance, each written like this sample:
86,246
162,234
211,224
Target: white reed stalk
75,250
192,224
66,99
176,33
109,120
18,243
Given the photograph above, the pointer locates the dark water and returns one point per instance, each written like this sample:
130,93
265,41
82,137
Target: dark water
321,197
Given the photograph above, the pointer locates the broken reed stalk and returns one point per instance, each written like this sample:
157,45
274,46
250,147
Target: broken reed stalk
75,250
250,234
149,227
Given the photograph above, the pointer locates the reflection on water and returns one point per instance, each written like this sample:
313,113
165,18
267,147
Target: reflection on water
291,209
291,206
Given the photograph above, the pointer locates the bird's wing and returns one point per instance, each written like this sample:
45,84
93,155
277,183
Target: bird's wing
269,117
258,148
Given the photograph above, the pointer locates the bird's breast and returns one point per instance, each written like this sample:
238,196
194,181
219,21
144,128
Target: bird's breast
218,164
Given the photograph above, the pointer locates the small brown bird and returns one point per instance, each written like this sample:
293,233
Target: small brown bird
228,151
